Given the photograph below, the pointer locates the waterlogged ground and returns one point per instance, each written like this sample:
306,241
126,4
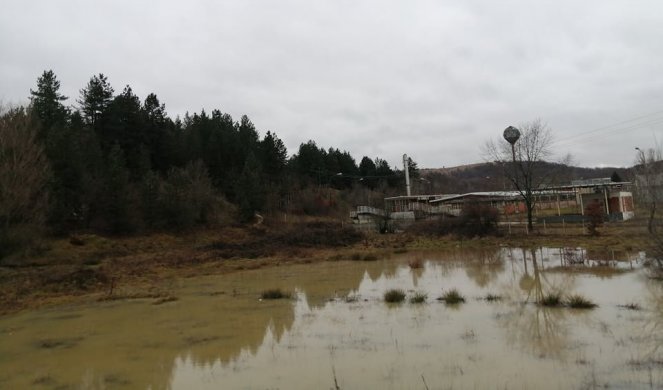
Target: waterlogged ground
337,333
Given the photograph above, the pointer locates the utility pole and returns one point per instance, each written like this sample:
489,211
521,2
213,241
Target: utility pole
406,167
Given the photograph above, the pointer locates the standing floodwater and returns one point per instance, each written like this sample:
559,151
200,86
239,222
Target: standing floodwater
336,331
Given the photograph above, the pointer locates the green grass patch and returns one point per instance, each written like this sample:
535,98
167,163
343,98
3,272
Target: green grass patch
579,302
394,296
419,297
452,297
631,306
551,300
492,297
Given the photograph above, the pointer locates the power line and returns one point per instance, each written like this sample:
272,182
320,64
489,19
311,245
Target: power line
606,131
608,127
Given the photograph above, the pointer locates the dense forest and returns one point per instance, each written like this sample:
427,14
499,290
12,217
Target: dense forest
112,163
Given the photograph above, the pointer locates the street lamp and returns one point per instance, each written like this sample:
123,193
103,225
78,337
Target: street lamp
511,135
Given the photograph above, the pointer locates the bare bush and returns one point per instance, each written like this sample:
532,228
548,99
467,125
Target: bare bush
24,172
475,220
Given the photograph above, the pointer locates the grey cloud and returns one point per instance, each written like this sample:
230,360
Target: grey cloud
434,79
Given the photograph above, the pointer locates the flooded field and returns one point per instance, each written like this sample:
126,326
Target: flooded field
336,331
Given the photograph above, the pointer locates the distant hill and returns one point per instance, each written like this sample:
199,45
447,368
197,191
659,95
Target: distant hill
488,177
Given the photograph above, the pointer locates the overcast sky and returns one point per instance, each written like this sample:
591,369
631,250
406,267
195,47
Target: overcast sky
433,79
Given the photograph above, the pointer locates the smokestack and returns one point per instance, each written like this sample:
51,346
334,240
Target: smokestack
407,174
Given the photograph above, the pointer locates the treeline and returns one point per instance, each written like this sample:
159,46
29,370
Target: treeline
115,163
490,177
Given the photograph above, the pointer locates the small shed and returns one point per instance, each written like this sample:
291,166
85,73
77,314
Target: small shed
618,204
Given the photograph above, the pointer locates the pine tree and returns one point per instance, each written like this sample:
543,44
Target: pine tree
249,189
47,102
273,155
95,99
116,207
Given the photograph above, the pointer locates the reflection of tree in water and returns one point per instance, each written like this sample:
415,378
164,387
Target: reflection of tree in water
485,266
651,333
205,328
538,329
532,282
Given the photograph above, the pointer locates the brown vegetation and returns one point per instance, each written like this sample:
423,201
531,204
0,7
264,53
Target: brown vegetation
475,220
87,266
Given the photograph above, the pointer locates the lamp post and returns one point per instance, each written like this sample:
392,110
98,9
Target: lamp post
511,135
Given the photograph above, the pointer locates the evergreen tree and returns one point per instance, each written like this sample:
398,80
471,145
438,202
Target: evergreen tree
116,207
310,162
367,171
47,102
273,155
125,126
250,189
95,99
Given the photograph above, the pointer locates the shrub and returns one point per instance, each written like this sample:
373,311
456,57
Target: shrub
24,176
475,219
394,296
595,213
452,297
478,219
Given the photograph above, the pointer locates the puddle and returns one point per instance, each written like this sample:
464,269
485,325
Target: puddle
220,334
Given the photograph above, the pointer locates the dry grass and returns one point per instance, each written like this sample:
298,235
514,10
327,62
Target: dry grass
86,266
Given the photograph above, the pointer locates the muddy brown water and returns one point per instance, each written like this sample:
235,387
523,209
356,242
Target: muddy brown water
337,333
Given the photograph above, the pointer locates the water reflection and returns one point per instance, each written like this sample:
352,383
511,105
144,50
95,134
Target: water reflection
219,333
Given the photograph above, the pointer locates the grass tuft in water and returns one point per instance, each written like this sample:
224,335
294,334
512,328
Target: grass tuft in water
419,297
350,298
452,297
580,302
274,293
551,300
394,296
492,297
631,306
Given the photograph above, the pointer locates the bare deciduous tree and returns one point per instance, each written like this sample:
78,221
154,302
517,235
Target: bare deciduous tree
648,178
23,177
528,172
649,184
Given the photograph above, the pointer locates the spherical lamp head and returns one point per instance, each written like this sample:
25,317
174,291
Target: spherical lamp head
511,134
